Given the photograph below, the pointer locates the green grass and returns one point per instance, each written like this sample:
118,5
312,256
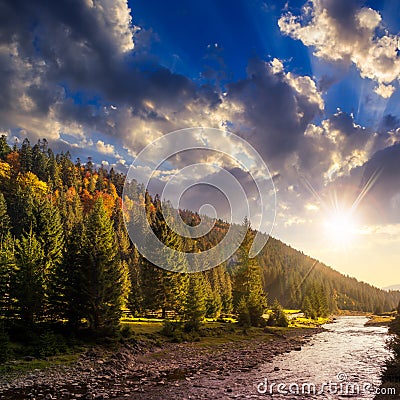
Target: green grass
303,322
143,326
289,311
380,320
25,366
213,333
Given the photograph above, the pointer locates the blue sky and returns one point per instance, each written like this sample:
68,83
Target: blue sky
313,87
183,30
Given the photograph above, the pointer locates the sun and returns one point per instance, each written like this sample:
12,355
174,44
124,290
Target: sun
340,229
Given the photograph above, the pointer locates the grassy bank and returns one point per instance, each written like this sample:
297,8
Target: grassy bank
149,332
380,320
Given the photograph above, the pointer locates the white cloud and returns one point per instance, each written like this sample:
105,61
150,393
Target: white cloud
384,91
114,16
105,148
350,38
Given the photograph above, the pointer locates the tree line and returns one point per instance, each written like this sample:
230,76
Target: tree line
66,257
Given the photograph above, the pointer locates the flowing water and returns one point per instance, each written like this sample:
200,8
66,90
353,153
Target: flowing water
343,362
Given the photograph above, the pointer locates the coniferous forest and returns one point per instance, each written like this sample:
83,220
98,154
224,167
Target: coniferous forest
66,258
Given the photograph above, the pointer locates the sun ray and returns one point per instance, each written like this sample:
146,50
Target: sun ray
366,188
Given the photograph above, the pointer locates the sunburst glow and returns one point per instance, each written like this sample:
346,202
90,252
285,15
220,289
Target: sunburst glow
340,229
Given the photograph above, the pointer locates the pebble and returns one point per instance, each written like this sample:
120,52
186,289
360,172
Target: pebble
174,368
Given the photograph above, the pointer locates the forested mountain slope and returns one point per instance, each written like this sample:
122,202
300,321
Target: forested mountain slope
65,254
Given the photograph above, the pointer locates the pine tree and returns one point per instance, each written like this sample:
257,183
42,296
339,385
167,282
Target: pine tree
243,312
277,316
5,149
135,297
70,275
30,291
5,221
225,289
7,276
50,233
307,308
165,289
39,162
25,153
195,305
213,296
248,284
102,278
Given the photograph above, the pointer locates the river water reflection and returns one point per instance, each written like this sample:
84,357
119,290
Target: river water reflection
343,362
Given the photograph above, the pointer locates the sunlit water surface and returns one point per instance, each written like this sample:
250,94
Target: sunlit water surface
349,355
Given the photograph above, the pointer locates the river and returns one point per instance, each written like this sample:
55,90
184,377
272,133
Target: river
342,362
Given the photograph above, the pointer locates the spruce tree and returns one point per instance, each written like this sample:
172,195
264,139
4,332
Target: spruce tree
277,316
70,273
30,283
135,297
5,222
247,279
101,275
5,149
7,276
195,305
25,156
50,233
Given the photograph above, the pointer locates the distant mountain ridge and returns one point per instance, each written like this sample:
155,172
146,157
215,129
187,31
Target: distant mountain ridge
289,276
392,287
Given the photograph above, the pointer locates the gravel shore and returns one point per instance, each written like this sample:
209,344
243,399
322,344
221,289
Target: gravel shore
174,371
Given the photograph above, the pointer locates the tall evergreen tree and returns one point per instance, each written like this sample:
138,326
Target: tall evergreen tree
247,279
195,304
72,296
30,283
7,277
25,156
5,221
101,275
5,149
50,233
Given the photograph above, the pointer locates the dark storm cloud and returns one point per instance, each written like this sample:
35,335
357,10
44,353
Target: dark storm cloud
70,64
384,195
389,122
276,113
81,46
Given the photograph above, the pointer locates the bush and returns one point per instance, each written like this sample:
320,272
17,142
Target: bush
277,316
173,330
50,344
126,332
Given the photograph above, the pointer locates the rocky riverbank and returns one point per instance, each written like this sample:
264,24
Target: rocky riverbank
173,371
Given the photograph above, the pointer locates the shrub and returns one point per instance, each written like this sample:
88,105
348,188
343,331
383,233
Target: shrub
277,316
50,344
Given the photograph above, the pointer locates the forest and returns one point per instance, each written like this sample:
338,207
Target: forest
66,257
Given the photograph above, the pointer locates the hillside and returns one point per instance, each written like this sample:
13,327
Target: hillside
289,275
65,255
